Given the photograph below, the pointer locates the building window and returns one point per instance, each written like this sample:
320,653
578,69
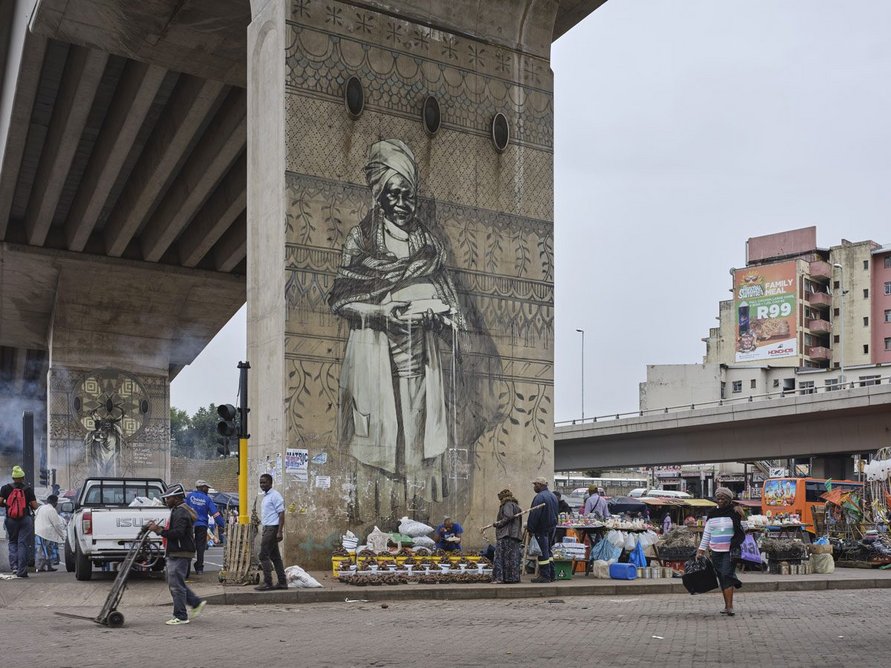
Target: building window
888,287
865,265
723,390
776,382
888,343
836,338
836,312
866,349
866,321
870,380
788,384
866,293
888,315
737,384
753,384
835,285
807,387
888,262
831,384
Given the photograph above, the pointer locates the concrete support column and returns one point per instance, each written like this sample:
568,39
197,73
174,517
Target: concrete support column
362,416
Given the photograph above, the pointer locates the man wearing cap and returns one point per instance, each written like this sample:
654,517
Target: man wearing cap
20,503
179,536
542,524
204,507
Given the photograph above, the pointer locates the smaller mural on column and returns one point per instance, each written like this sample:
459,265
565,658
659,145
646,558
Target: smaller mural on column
113,407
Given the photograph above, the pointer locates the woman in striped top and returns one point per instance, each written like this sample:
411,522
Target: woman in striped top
723,532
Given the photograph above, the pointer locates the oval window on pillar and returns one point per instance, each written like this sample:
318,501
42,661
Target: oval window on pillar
354,95
500,132
431,115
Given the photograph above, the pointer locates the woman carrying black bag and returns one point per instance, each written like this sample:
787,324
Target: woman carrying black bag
723,532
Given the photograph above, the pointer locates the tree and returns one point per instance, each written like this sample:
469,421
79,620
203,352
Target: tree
194,437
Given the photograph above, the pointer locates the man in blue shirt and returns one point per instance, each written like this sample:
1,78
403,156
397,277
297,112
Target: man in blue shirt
272,517
204,508
448,535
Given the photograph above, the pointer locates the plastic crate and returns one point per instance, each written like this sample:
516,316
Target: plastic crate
563,570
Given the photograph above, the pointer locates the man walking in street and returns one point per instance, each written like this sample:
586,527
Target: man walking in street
179,536
204,507
272,517
542,524
20,504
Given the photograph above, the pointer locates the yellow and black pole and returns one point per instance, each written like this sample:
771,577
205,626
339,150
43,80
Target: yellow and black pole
243,436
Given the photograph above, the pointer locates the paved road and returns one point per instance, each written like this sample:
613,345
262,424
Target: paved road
794,629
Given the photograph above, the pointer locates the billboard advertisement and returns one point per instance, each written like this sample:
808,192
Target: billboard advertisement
765,301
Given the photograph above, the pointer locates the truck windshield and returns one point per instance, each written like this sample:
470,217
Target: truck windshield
119,492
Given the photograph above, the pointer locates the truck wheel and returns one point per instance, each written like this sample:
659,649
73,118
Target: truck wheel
69,558
83,567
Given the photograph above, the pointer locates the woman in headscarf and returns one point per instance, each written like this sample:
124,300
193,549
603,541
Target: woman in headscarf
508,536
723,532
394,289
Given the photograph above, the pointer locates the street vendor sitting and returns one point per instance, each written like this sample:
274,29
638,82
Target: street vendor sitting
448,535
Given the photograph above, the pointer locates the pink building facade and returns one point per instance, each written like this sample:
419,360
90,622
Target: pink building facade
881,305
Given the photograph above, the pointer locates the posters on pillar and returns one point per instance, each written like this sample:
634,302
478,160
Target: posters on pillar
765,304
407,406
296,464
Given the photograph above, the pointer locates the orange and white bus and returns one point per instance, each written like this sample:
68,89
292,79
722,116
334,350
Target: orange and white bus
787,496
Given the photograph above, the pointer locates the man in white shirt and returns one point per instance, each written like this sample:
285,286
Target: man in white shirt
50,530
272,517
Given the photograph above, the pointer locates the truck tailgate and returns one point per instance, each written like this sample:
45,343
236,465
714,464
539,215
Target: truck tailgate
116,527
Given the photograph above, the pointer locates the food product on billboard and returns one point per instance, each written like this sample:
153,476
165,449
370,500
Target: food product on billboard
768,329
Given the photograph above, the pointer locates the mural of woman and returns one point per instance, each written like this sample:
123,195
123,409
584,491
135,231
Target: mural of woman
103,446
394,289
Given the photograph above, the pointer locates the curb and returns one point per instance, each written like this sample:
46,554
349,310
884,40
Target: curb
473,592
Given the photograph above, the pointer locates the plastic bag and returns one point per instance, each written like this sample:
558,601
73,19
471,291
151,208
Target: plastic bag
423,541
414,528
749,552
637,556
377,541
533,549
605,551
297,577
616,538
630,541
600,569
823,563
699,576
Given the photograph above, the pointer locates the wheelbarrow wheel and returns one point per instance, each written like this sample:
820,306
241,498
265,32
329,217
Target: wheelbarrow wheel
115,619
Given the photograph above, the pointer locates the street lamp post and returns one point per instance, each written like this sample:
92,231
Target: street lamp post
841,317
582,332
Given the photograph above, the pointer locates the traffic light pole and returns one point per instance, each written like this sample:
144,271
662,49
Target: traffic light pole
243,436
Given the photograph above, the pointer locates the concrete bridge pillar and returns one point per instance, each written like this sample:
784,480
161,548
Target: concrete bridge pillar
118,333
400,262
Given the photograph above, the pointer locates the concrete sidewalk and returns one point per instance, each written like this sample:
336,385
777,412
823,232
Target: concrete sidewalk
58,590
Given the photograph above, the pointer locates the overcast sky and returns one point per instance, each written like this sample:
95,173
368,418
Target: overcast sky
684,127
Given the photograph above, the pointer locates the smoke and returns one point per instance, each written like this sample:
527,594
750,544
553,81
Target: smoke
15,399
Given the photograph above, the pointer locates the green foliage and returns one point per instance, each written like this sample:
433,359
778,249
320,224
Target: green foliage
194,436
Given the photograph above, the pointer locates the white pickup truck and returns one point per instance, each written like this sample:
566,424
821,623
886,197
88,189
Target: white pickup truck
104,525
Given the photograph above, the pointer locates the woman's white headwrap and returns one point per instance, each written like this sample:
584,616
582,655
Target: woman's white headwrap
386,159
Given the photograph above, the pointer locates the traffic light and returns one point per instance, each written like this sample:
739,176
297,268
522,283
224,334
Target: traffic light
223,447
44,477
226,427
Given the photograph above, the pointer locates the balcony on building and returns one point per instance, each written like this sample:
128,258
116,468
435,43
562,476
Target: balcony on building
819,326
819,353
820,271
819,299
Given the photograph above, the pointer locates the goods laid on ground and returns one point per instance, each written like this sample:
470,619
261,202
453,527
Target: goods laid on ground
679,544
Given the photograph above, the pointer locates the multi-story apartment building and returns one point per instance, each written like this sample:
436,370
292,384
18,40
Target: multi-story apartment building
800,319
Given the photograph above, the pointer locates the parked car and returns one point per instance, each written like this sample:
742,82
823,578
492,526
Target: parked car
104,524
